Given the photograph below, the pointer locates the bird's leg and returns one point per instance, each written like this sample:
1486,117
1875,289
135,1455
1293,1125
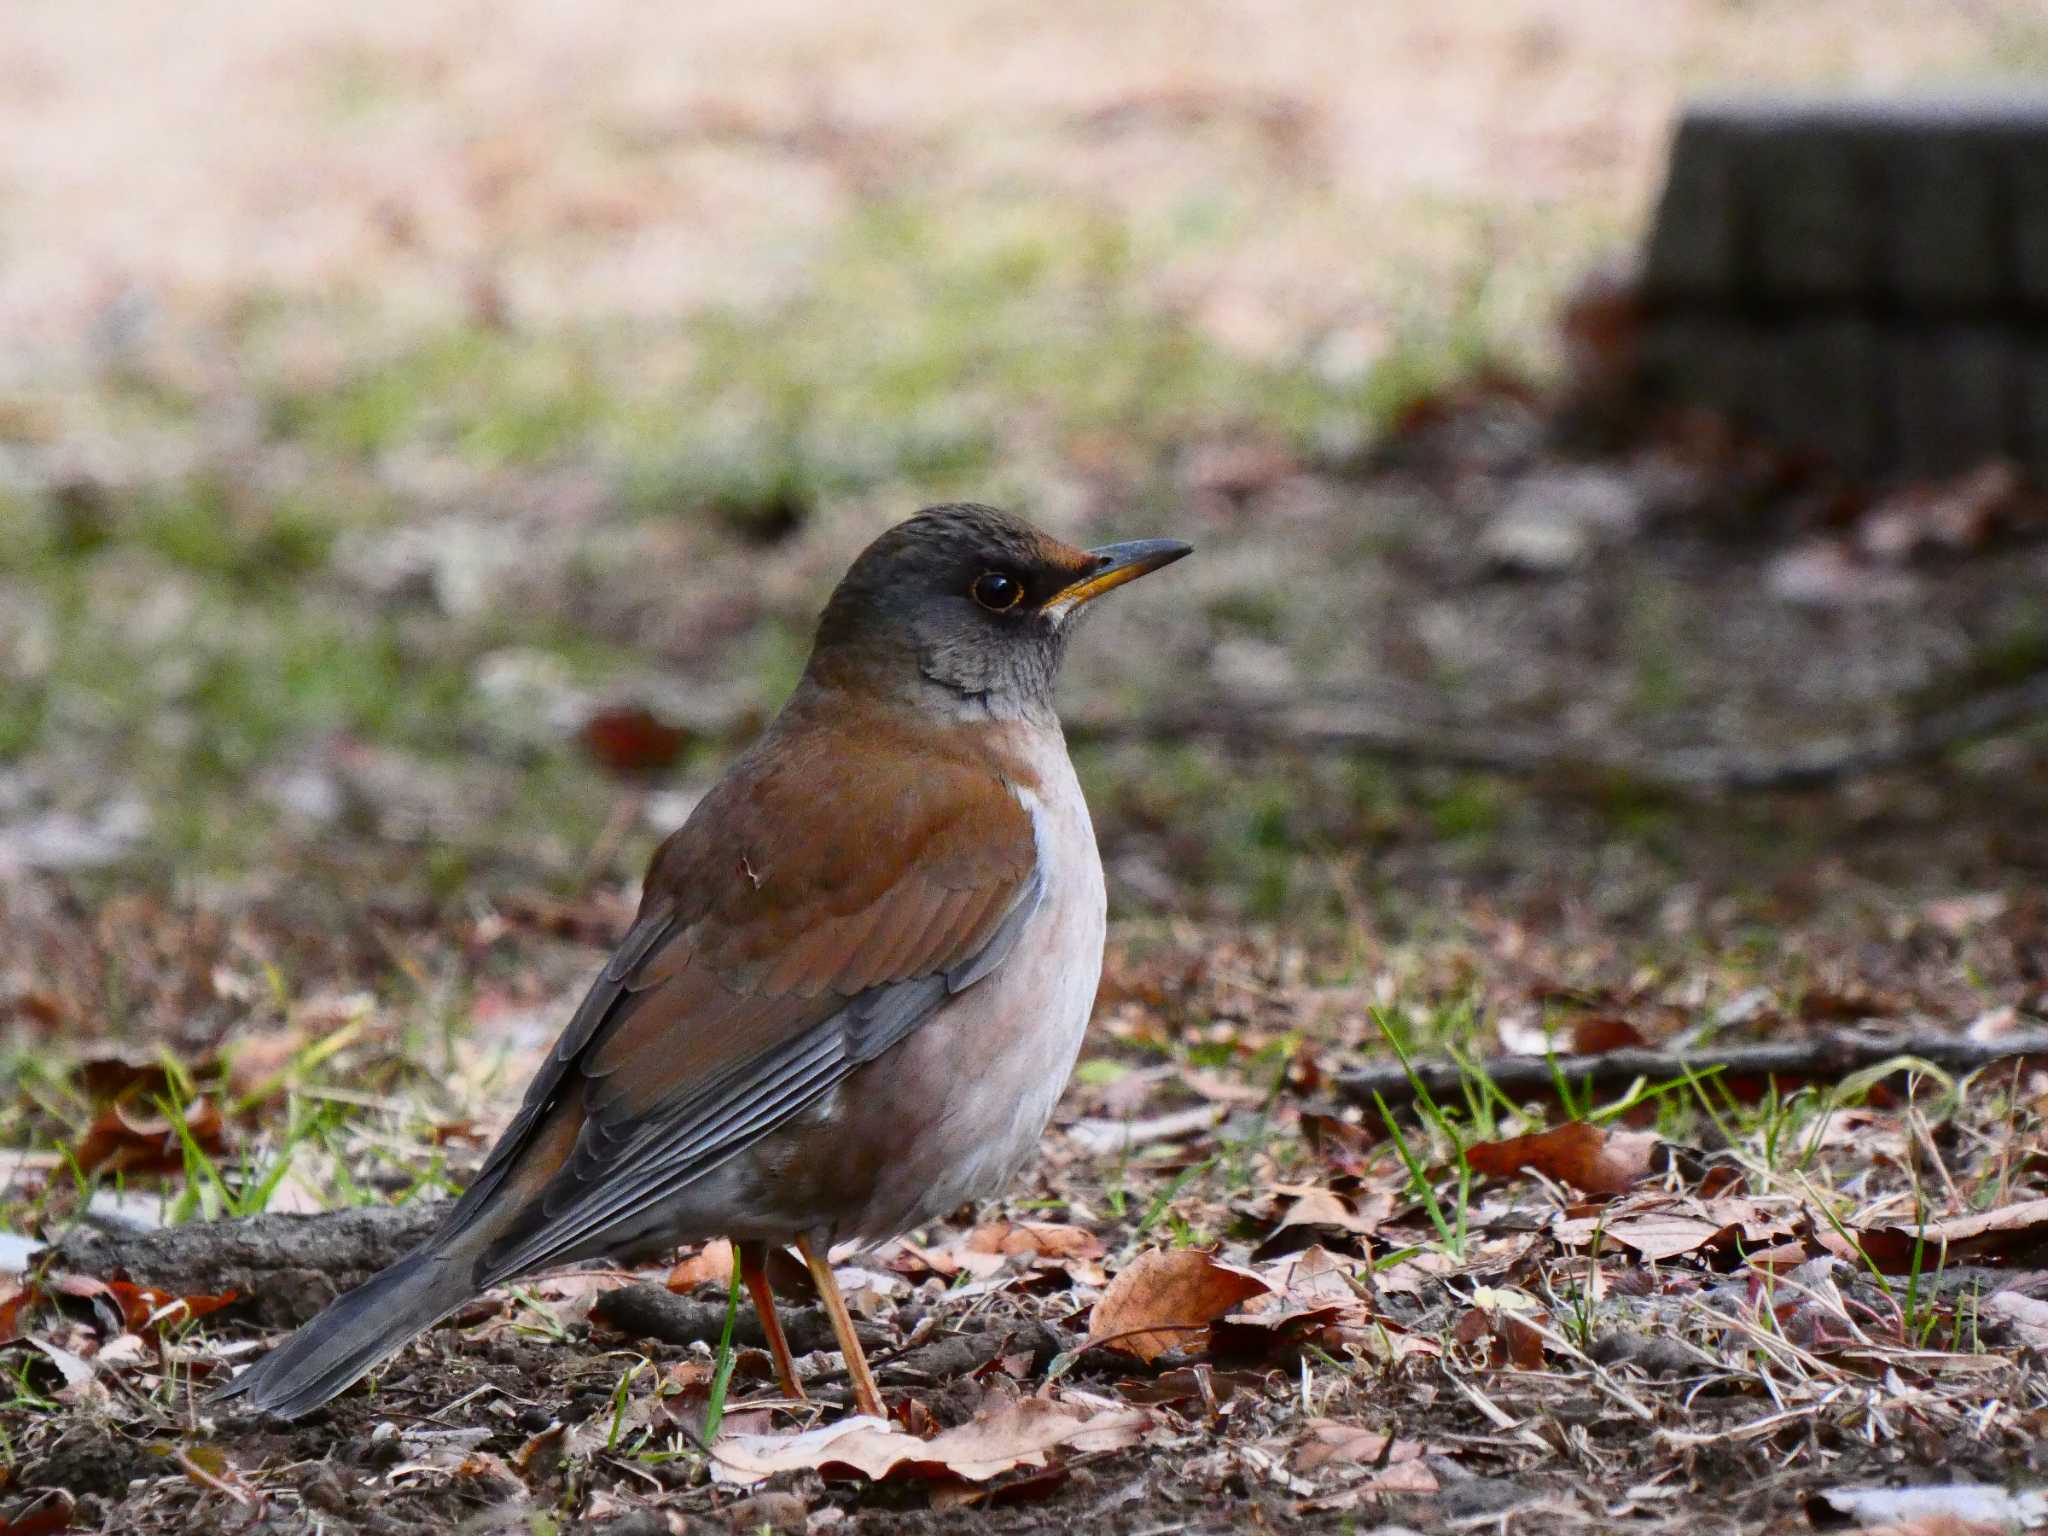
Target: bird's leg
866,1396
753,1262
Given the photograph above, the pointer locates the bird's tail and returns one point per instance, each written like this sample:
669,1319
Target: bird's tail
342,1344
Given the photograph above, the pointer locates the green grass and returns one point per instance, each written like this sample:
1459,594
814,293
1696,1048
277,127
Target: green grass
929,338
199,634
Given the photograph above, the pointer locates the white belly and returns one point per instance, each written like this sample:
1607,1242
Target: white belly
995,1060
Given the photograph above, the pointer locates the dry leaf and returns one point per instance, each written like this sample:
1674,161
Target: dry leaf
1659,1226
1331,1443
1193,1384
1273,1337
1955,516
1166,1298
208,1467
1584,1156
1601,1033
116,1143
1316,1277
145,1309
1037,1239
2010,1234
115,1079
2026,1316
15,1300
1019,1434
1920,1508
540,1457
259,1064
709,1265
51,1512
1501,1336
632,739
1339,1144
1001,1247
1317,1217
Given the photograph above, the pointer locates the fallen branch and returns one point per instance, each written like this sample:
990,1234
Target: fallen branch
951,1357
1344,728
284,1268
651,1312
1820,1058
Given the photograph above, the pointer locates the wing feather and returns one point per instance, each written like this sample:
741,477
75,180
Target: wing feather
768,962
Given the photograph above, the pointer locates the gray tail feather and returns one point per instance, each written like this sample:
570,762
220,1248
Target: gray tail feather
340,1346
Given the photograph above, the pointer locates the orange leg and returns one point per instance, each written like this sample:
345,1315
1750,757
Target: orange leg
866,1396
753,1262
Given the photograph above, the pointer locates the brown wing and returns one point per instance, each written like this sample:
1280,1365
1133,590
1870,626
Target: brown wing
781,942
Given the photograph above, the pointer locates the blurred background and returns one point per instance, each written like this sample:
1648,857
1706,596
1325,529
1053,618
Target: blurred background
427,434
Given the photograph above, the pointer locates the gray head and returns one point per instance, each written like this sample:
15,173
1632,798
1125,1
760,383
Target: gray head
969,601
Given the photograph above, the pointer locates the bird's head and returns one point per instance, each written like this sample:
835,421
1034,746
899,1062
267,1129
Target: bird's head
969,601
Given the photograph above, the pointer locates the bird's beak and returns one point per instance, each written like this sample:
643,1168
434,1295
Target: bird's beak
1114,565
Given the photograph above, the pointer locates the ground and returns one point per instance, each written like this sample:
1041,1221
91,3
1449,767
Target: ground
423,448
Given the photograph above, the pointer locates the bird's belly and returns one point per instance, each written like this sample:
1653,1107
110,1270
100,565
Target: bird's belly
959,1106
950,1113
968,1096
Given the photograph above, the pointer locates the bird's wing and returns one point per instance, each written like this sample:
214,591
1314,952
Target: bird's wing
777,948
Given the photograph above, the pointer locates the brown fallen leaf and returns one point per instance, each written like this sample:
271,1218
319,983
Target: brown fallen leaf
15,1300
25,1298
1006,1247
1316,1277
1274,1337
2010,1234
780,1511
1584,1156
1166,1298
1603,1032
709,1265
1193,1384
208,1467
2025,1316
1393,1466
47,1514
540,1457
146,1310
632,739
1658,1226
1339,1144
1317,1217
1036,1239
259,1065
1502,1337
1940,1507
1954,516
117,1143
117,1079
1661,1235
998,1440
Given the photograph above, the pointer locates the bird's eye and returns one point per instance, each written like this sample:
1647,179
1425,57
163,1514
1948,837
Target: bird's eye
996,592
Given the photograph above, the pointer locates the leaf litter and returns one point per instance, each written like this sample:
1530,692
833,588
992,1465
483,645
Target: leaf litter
1259,1298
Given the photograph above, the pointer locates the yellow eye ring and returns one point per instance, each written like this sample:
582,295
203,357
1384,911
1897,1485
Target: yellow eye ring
996,592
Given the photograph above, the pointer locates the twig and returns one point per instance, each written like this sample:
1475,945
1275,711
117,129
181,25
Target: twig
1350,728
652,1312
1820,1058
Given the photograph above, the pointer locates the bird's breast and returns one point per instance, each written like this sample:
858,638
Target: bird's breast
967,1096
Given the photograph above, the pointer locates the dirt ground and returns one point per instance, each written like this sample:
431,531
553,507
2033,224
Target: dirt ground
425,440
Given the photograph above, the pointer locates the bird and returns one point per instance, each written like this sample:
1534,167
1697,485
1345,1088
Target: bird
856,983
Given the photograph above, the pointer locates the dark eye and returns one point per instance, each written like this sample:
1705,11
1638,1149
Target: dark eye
996,592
